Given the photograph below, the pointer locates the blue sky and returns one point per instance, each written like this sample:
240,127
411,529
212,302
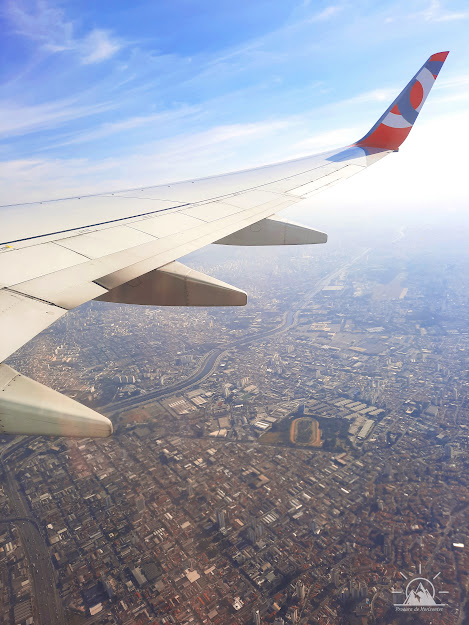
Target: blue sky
99,95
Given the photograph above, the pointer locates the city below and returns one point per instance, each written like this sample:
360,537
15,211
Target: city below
297,461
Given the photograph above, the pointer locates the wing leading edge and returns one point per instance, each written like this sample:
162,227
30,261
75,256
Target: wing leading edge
123,247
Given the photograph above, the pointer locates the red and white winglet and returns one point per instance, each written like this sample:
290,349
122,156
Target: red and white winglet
393,128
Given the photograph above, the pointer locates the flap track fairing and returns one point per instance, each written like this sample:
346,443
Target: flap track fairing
274,231
28,407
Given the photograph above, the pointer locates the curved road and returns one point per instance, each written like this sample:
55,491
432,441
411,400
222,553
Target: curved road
206,367
211,360
49,609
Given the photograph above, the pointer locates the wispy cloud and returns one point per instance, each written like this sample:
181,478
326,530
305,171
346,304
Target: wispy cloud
384,95
174,102
202,154
197,154
325,14
435,12
453,82
132,123
325,141
18,119
265,48
46,24
98,46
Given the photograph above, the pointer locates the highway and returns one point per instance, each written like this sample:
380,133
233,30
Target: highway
206,368
46,601
211,360
48,605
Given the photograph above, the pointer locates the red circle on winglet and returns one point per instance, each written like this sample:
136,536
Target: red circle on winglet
395,109
416,94
386,138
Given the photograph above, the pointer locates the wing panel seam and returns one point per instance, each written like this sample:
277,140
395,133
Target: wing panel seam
36,299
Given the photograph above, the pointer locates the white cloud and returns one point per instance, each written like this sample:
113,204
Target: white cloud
132,123
325,14
375,95
459,80
221,148
325,141
436,13
435,146
98,46
18,119
269,48
42,22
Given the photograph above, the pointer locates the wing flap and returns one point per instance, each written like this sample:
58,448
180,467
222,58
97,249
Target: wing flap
181,245
176,285
71,287
274,231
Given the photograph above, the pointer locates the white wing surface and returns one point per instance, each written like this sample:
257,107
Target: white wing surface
123,247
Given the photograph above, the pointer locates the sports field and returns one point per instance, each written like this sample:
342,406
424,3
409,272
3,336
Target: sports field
305,431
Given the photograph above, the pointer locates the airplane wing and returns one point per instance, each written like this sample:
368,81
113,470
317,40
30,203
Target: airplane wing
123,247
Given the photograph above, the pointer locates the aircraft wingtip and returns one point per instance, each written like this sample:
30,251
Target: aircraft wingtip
439,56
393,127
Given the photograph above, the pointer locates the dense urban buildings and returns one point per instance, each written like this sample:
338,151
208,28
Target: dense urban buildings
295,461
